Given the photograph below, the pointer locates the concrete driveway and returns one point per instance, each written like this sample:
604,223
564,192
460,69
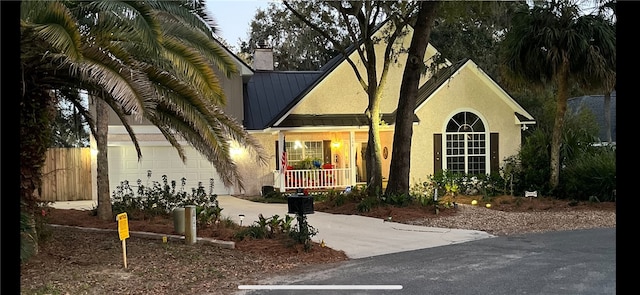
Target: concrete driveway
357,236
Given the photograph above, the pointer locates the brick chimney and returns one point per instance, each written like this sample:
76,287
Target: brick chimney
263,57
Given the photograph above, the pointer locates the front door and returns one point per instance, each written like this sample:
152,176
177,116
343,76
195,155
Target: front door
361,162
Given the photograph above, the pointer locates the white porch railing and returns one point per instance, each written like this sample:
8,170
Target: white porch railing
314,178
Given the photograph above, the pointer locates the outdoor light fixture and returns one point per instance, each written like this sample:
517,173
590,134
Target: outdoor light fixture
241,218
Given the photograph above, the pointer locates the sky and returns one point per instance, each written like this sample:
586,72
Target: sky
233,17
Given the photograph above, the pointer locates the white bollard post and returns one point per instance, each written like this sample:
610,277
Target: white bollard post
190,225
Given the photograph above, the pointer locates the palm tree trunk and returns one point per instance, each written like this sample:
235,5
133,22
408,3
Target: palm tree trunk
102,127
561,108
37,111
401,152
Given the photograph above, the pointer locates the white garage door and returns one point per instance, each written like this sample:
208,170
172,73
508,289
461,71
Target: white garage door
162,160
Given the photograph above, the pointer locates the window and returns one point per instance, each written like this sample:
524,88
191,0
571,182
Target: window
466,144
300,150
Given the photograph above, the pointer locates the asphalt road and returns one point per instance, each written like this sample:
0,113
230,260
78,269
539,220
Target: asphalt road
571,262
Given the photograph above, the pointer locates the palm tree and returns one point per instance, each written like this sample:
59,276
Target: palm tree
152,59
606,7
554,44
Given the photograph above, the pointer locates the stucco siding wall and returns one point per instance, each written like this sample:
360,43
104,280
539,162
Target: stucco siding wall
253,173
233,91
464,92
342,93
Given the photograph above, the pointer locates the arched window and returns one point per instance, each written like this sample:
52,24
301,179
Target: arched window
466,144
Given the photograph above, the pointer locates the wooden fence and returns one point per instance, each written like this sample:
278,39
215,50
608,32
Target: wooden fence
66,175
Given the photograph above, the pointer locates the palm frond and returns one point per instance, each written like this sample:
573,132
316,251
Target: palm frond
184,14
204,43
127,21
117,109
128,85
193,67
55,25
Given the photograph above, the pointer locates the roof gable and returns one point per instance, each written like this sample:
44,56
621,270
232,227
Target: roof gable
438,80
337,90
271,97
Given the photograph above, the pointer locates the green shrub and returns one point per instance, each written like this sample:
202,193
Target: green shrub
423,192
399,200
578,134
253,231
592,176
535,160
160,198
303,232
367,204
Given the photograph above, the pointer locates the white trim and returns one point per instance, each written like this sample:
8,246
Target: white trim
468,110
487,139
486,79
505,96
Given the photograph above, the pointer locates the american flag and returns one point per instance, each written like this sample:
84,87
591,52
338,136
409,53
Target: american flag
284,156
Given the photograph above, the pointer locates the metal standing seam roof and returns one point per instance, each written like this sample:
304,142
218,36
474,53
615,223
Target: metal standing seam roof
268,93
257,94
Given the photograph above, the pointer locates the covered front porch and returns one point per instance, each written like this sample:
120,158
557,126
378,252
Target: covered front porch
323,160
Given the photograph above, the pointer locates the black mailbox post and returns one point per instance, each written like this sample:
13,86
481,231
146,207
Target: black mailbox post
299,204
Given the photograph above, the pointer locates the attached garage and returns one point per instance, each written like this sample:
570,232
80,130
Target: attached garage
162,160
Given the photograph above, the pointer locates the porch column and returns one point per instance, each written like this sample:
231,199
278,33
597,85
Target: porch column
279,156
352,158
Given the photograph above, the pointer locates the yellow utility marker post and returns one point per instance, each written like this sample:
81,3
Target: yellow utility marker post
123,232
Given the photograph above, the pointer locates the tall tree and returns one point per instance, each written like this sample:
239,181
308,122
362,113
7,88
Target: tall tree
296,46
151,59
473,29
361,20
413,70
553,43
608,8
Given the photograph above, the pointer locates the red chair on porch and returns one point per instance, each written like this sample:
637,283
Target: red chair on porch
327,175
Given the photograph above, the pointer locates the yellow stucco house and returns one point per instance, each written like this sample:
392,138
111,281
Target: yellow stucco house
464,122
